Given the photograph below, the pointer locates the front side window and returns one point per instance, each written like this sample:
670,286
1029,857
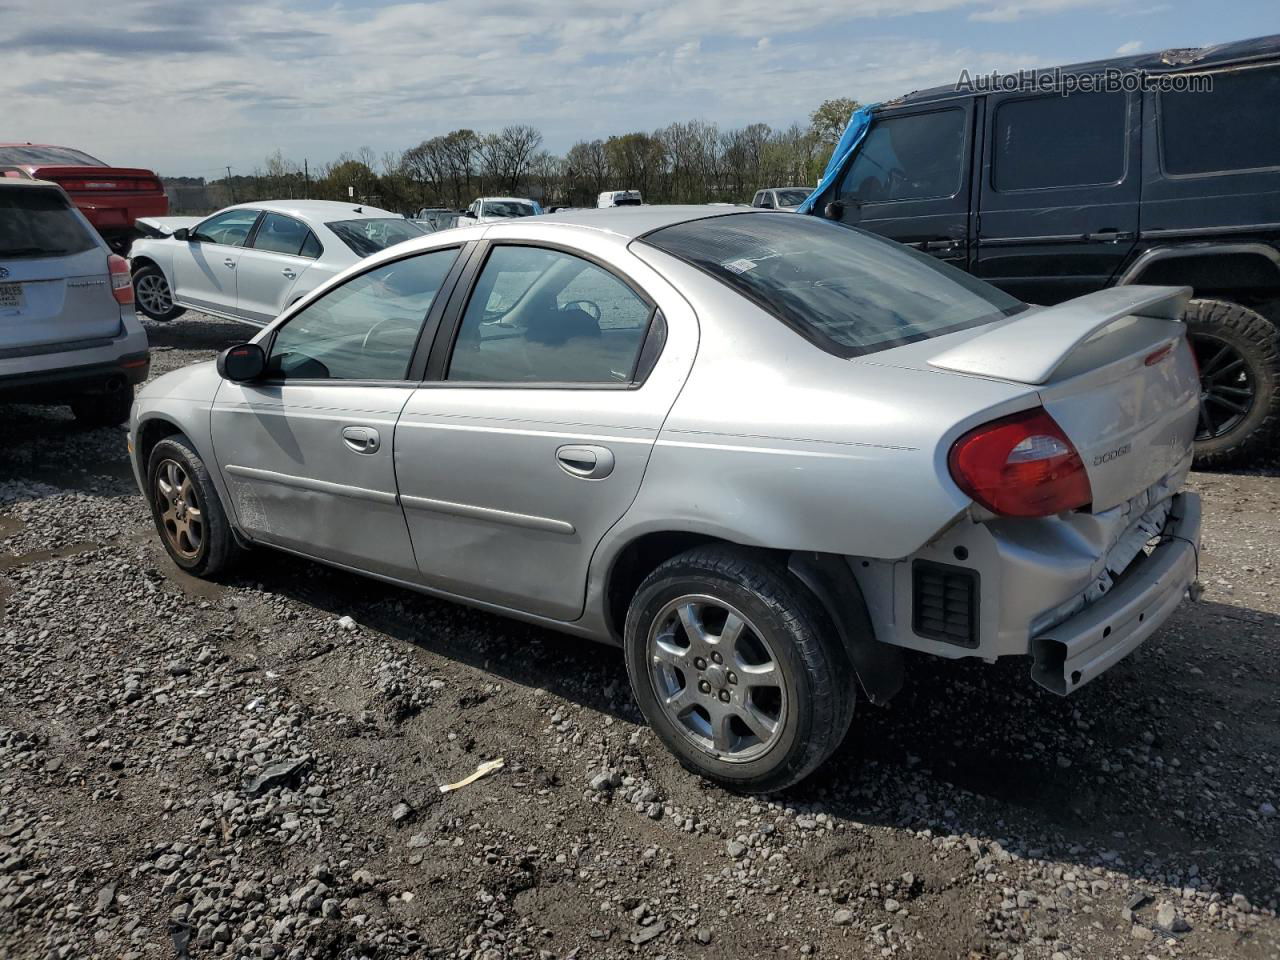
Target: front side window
280,234
849,291
543,316
230,228
1234,126
917,157
365,329
1057,141
367,236
36,222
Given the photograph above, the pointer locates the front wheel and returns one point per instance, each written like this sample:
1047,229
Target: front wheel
152,294
186,509
736,667
1239,360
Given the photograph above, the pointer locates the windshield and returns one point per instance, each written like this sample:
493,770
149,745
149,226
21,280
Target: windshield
368,236
38,223
508,208
849,291
791,198
59,155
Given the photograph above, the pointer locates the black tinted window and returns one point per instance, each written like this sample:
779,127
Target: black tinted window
1236,126
1060,141
918,157
311,247
38,223
280,234
365,329
542,316
849,291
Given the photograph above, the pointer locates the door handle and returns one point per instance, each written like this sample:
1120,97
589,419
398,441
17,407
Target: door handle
288,272
361,439
229,262
586,461
932,245
1109,235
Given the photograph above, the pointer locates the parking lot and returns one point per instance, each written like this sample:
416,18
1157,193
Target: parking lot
251,768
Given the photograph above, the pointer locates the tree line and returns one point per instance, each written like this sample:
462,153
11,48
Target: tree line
690,162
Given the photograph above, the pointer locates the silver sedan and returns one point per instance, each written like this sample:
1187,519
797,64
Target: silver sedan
763,454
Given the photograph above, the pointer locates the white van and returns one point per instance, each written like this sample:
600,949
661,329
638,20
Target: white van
619,198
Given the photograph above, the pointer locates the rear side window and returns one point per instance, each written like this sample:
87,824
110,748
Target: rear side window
1060,141
366,237
1234,126
849,291
39,223
280,234
917,157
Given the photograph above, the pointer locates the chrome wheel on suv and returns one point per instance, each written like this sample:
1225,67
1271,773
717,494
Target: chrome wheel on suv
717,678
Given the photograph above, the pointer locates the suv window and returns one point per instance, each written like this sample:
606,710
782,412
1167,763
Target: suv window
849,291
36,222
1060,141
230,228
917,157
365,329
543,316
1234,126
280,234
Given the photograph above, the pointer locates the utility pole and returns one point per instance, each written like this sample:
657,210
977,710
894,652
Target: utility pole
306,175
230,189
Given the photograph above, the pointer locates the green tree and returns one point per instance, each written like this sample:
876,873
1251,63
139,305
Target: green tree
830,119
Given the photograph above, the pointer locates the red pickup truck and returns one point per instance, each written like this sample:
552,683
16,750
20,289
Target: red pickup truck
112,198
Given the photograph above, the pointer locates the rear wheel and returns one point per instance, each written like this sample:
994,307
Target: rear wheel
103,409
152,295
186,509
1239,359
736,667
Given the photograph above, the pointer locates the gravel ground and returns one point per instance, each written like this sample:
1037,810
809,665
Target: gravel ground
250,768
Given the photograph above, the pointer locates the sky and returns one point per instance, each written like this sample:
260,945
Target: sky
188,88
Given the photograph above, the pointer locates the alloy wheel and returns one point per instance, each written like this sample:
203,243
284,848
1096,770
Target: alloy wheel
716,678
153,294
1227,389
179,506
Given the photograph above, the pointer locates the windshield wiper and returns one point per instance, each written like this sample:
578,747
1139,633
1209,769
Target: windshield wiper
31,252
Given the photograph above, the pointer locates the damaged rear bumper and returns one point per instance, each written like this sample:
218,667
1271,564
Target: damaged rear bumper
1080,648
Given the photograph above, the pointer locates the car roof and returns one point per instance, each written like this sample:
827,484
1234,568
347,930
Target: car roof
517,199
631,222
317,209
29,182
1166,61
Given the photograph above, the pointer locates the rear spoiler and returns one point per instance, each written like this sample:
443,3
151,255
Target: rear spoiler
1032,345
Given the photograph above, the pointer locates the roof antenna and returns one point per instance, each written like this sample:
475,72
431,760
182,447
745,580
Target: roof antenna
359,209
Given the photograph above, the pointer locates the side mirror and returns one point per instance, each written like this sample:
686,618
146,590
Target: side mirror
182,233
242,363
834,210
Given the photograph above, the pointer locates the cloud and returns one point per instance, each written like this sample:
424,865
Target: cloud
1133,46
229,83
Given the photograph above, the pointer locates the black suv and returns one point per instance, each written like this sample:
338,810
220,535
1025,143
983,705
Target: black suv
1162,168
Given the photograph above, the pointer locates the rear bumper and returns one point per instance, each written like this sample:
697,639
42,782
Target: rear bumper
1086,645
53,373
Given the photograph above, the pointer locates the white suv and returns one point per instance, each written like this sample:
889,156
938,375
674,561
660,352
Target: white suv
68,333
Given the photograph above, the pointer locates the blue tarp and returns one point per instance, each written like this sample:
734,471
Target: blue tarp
849,140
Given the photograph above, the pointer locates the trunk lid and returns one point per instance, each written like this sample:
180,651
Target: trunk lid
1113,368
55,299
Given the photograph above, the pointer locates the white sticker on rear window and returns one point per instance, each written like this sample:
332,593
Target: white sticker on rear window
741,265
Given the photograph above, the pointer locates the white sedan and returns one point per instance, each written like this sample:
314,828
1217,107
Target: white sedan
251,261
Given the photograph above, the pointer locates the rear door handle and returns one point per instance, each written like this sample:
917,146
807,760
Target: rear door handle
932,245
361,439
288,272
587,461
229,262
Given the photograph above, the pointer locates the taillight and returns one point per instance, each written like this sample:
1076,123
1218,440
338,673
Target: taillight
1021,466
121,282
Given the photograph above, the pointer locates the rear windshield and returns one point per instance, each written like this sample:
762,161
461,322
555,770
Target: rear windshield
508,208
367,237
60,155
791,198
38,223
849,291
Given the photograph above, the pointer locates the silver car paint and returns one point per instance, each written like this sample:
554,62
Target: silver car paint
759,415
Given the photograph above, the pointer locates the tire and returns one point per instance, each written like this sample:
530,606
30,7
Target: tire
784,625
151,292
175,472
1239,359
103,409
